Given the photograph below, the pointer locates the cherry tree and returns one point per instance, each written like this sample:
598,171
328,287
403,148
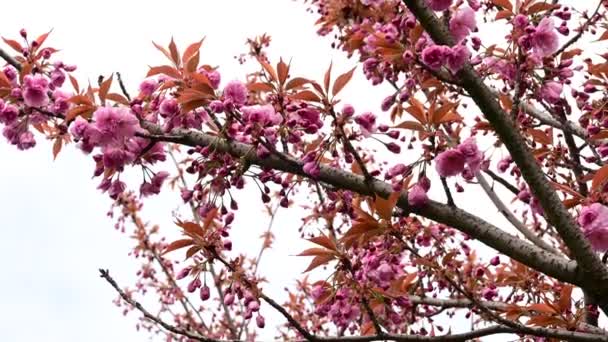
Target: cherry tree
516,117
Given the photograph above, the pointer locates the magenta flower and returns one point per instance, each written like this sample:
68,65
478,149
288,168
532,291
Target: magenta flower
148,86
8,113
153,187
236,92
450,163
434,56
439,5
457,57
594,222
263,115
114,125
35,91
417,196
551,92
462,23
545,39
367,121
472,154
169,107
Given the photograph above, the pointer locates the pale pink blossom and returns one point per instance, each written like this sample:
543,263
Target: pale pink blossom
545,40
236,92
594,222
450,163
462,23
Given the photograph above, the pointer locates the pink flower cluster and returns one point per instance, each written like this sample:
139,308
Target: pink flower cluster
466,157
594,222
437,56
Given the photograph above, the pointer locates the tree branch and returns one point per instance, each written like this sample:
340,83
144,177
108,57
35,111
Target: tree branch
106,275
509,134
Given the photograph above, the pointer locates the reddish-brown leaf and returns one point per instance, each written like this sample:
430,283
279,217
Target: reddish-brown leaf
318,261
191,251
104,88
385,206
117,98
57,147
316,252
411,125
540,136
192,50
175,245
192,63
74,84
327,78
540,307
163,50
165,70
191,228
4,81
283,71
599,178
260,87
541,7
296,83
342,81
174,52
565,298
506,4
440,113
323,241
13,44
306,95
42,38
269,69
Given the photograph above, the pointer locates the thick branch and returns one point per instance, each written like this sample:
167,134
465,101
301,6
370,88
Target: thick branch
509,134
9,59
471,225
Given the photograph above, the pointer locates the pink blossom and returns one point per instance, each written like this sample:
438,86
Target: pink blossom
434,56
474,4
8,113
236,92
114,125
545,40
439,5
551,92
169,107
35,91
57,78
148,86
312,169
26,140
117,188
367,121
264,115
594,222
457,57
473,156
450,163
155,184
462,23
260,322
116,158
417,196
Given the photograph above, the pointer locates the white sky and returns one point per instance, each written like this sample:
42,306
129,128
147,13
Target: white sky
55,234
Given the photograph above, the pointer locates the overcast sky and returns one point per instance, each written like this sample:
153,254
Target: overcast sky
55,233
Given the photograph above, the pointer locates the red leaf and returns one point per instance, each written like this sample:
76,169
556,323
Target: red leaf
385,207
104,88
191,251
306,95
13,44
342,81
327,77
296,82
318,261
506,4
541,308
163,50
174,53
175,245
74,84
191,228
164,69
323,241
57,147
565,298
599,178
269,70
260,87
192,63
117,98
192,50
42,38
283,70
316,252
